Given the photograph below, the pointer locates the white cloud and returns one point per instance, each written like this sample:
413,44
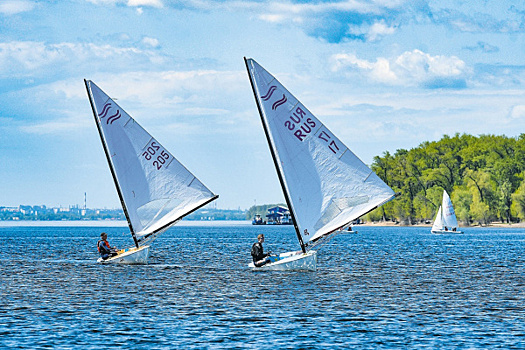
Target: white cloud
149,96
104,2
518,112
54,127
12,7
273,18
152,3
379,29
412,68
131,3
27,58
183,89
152,42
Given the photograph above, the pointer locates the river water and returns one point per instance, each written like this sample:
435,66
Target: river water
384,288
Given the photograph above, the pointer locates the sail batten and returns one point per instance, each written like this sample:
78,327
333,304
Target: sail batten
327,185
156,190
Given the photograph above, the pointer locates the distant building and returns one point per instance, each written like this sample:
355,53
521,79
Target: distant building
279,215
10,209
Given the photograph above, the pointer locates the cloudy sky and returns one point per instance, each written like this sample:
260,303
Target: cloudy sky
382,75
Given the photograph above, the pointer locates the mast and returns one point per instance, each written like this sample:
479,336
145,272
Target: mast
276,162
108,158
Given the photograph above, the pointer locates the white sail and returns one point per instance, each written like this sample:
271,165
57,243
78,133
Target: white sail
438,222
328,186
156,189
449,216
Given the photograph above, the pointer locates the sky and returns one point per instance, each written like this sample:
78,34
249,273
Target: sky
382,75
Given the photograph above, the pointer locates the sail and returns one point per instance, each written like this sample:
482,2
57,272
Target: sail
438,222
449,216
328,186
156,189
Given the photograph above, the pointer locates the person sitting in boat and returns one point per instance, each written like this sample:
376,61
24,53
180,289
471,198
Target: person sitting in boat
258,256
105,250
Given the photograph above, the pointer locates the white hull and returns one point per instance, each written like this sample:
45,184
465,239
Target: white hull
348,232
291,261
129,256
445,232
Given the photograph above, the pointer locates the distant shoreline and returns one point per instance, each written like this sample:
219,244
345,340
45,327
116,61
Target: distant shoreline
113,223
393,224
186,223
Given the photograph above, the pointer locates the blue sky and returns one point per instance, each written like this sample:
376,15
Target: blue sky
382,75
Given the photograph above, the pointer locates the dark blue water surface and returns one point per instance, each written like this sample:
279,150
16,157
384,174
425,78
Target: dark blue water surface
383,288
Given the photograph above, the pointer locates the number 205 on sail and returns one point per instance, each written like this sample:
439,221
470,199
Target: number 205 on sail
158,156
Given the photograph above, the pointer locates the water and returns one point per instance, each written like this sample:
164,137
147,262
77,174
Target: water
384,288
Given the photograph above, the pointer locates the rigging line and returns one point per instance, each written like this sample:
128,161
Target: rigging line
106,151
276,163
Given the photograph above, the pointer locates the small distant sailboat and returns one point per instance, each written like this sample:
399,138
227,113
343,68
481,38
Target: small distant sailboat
155,190
349,230
446,221
325,185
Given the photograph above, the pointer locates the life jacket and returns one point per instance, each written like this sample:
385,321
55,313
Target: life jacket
105,243
257,251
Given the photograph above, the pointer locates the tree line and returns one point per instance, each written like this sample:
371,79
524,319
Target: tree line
484,176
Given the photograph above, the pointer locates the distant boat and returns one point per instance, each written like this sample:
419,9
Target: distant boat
155,190
257,220
445,221
325,185
347,231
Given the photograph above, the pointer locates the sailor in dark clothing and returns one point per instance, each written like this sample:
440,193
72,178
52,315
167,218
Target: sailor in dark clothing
258,256
106,251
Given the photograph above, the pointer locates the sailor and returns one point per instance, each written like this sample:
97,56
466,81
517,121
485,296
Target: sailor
258,256
105,250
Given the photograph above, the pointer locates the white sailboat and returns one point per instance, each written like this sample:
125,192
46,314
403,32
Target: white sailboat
325,185
155,190
446,221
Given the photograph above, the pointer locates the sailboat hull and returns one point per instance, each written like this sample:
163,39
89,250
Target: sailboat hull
445,232
129,256
290,261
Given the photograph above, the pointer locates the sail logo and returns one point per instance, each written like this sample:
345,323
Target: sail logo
105,111
279,103
269,94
